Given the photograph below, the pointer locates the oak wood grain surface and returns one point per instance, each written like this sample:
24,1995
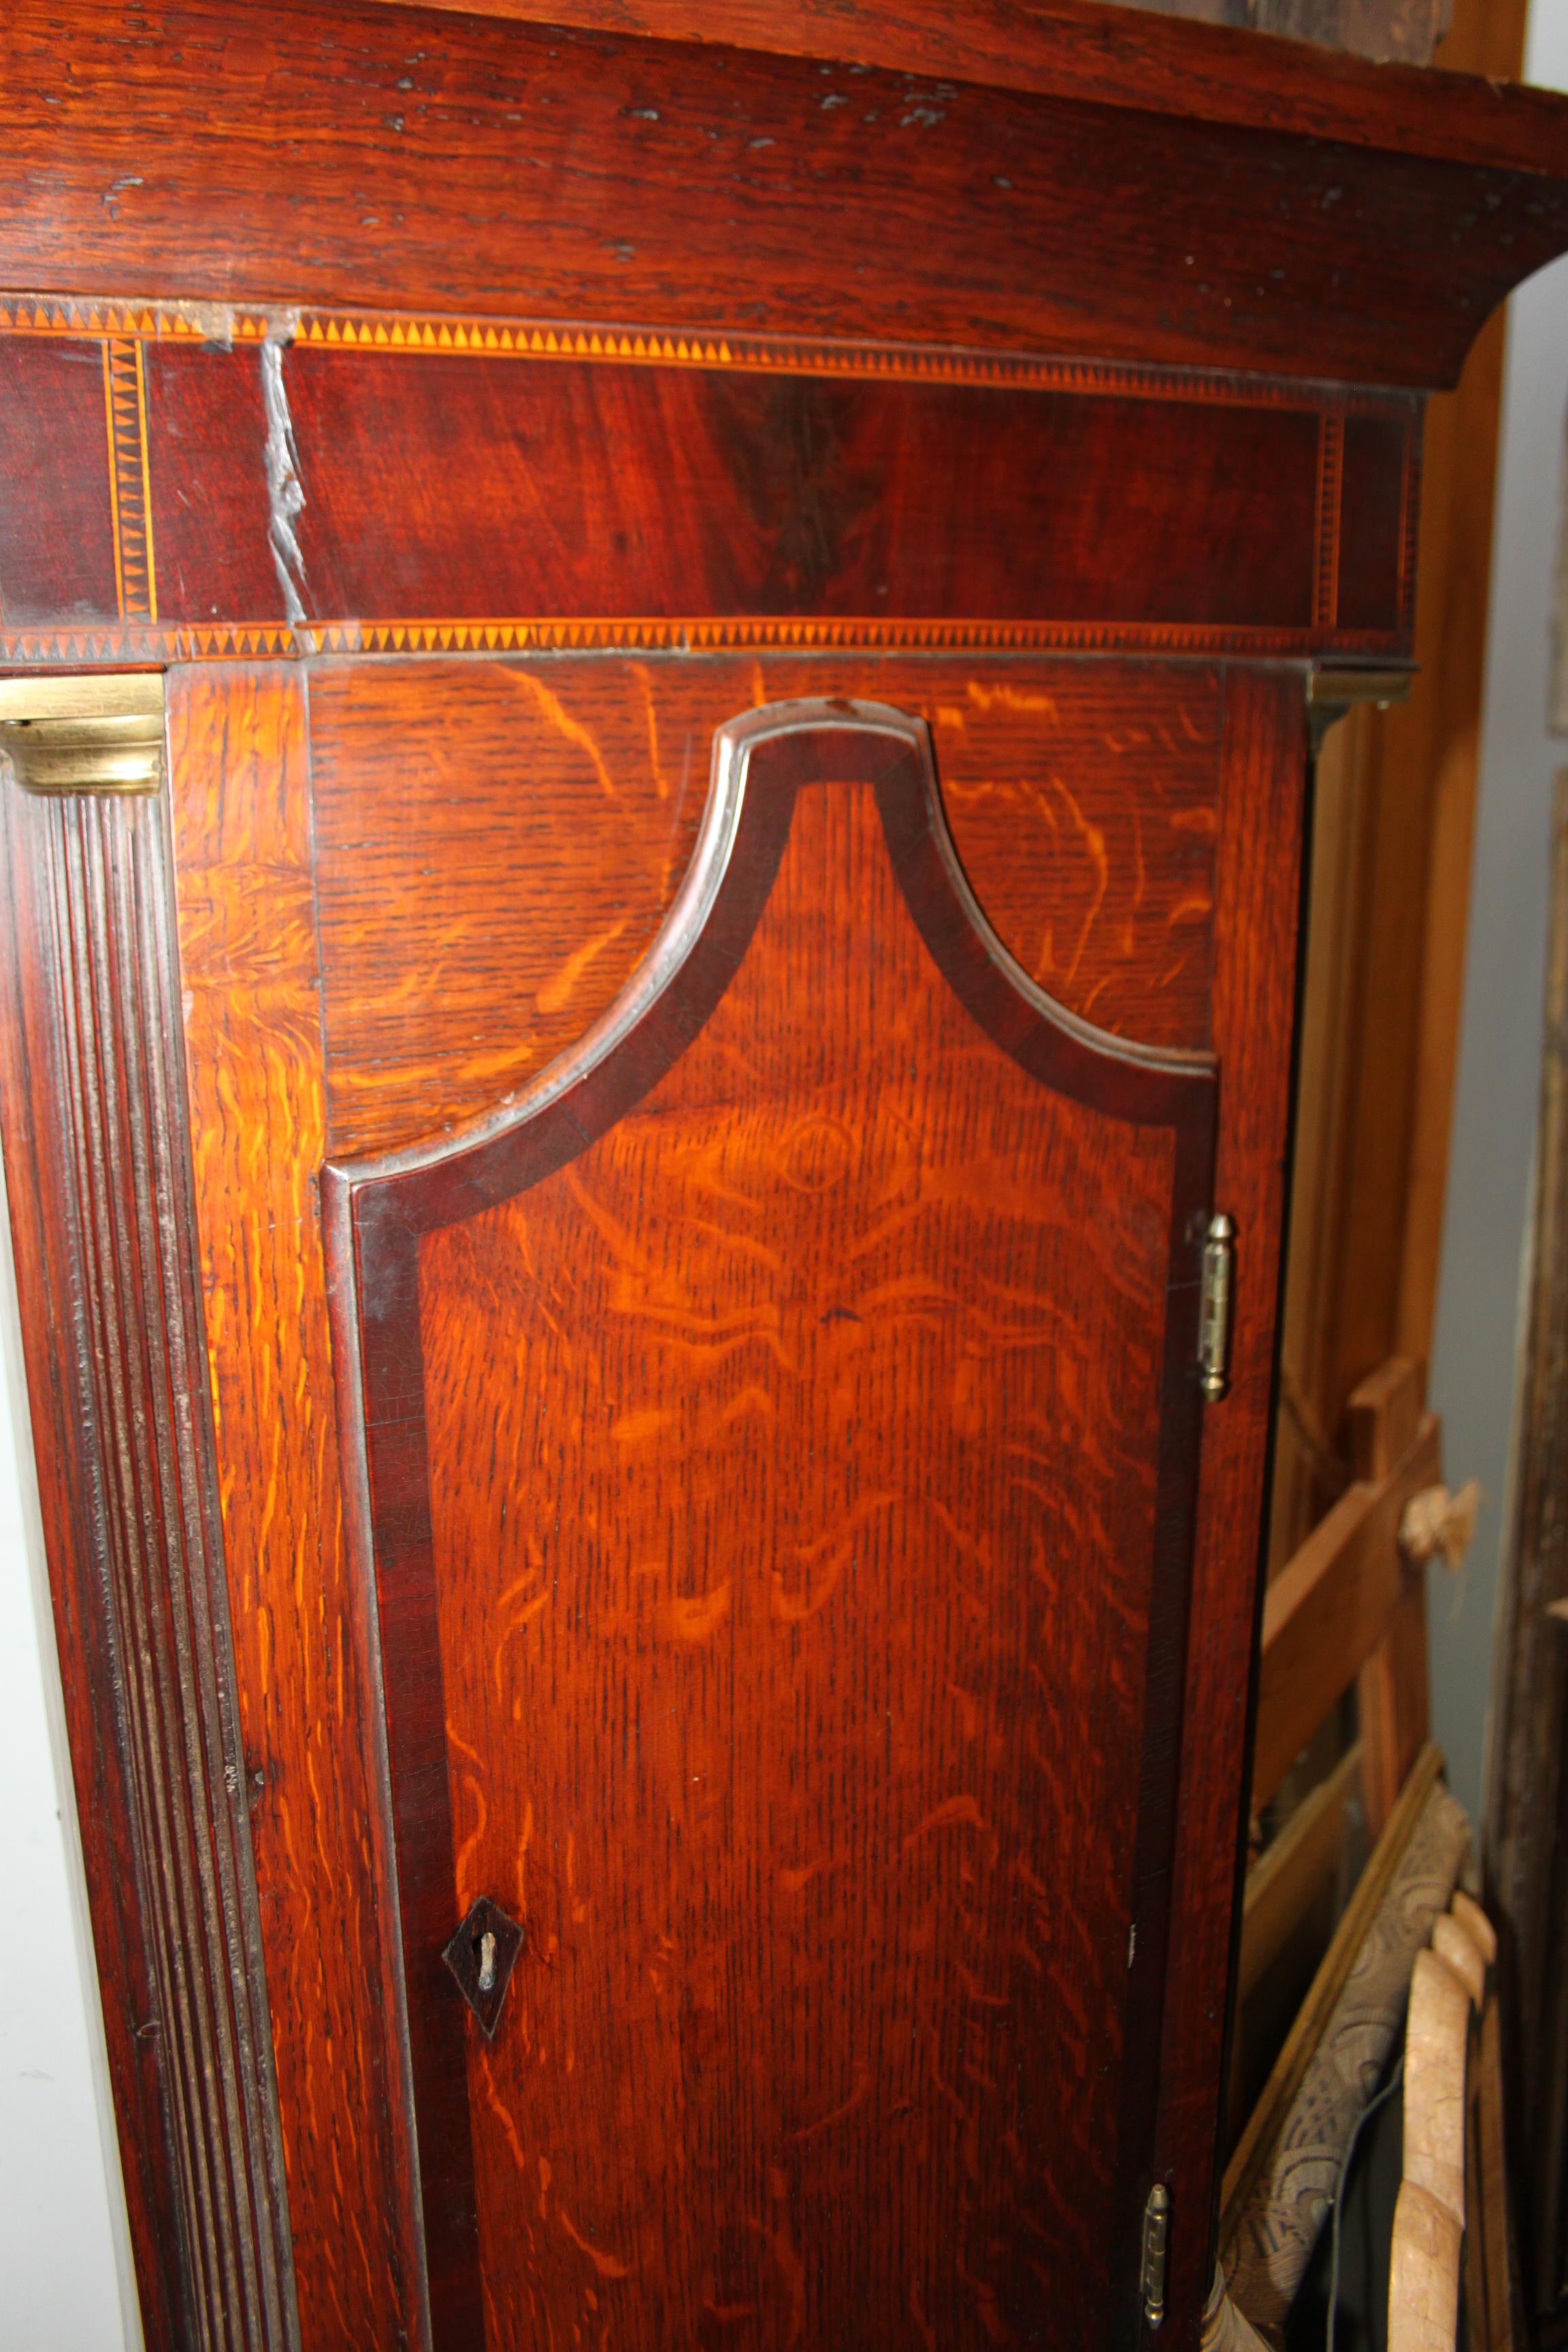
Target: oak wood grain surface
796,1726
496,843
347,154
249,965
721,1395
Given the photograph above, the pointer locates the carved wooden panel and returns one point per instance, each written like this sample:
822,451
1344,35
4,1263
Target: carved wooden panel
780,1430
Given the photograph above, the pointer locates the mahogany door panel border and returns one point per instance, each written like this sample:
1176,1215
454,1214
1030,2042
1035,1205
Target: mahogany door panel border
376,1212
247,945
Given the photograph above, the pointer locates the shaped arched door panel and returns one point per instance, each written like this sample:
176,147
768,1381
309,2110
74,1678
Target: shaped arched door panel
777,1433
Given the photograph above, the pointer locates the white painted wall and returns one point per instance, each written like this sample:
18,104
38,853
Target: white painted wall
65,2249
1475,1354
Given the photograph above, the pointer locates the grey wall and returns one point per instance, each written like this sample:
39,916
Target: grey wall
1475,1355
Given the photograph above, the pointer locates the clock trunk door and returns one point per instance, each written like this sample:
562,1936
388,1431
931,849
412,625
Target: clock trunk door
776,1432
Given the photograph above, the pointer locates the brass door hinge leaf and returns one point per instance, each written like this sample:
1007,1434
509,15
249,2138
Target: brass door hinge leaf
1215,1305
1156,2239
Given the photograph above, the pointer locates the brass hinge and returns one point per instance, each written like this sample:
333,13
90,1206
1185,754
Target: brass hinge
1331,692
1156,2237
100,733
1214,1302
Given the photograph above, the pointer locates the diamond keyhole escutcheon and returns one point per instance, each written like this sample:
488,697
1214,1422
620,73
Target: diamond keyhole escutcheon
482,1956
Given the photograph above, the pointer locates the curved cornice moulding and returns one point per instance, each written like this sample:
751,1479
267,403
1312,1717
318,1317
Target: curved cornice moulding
1069,180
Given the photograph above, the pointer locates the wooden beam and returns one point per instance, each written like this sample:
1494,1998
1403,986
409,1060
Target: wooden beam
1284,1882
1383,1422
1487,2271
1394,1700
1442,735
1527,1800
1382,1419
1331,1606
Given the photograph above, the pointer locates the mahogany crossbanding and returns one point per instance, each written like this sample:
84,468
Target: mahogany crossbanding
761,493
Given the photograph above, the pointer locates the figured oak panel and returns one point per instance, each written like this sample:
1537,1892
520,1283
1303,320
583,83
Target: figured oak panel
250,972
496,843
779,1436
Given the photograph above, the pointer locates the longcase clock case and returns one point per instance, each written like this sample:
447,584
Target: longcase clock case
656,708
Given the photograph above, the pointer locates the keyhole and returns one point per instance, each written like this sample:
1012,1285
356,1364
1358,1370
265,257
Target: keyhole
485,1946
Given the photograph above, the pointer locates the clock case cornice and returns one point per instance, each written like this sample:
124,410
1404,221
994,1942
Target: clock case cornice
1069,180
